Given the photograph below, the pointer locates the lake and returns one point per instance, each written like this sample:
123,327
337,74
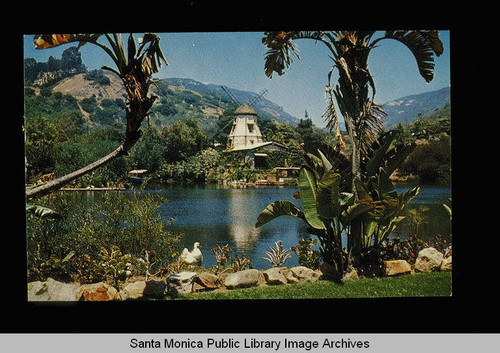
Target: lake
223,215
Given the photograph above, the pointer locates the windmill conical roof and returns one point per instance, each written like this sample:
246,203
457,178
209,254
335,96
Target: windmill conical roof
245,109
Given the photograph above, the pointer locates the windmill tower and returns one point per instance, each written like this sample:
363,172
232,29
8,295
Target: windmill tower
245,132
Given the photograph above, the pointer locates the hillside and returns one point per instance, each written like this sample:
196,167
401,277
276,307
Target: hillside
264,106
409,108
183,97
178,98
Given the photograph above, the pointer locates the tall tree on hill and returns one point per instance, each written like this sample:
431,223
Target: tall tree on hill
135,67
355,90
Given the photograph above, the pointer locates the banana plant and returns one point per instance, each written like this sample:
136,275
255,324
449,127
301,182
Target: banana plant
329,209
323,208
376,188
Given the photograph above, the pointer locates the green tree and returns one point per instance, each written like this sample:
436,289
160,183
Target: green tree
283,133
308,133
148,152
355,91
71,60
183,139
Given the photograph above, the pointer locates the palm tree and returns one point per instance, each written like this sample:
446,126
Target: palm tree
355,90
135,67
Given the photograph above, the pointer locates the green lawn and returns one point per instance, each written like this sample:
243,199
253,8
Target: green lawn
417,285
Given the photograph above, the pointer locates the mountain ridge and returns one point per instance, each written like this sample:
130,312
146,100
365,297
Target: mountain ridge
415,106
183,97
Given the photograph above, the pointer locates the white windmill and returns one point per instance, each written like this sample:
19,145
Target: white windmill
245,133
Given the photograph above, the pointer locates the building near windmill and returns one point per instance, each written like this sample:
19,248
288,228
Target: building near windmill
246,136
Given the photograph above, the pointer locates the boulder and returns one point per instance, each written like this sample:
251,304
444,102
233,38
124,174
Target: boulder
396,267
446,264
302,274
350,273
242,279
181,283
52,290
205,281
139,289
328,272
133,290
276,275
97,292
428,259
155,288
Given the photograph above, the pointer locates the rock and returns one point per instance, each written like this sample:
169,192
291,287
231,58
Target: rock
396,267
205,281
52,290
328,272
302,274
97,292
139,289
181,283
429,259
351,273
133,290
446,264
241,279
155,288
276,275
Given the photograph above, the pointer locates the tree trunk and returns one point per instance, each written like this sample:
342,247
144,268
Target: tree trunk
354,245
55,184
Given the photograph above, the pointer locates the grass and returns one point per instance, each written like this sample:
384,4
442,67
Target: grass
416,285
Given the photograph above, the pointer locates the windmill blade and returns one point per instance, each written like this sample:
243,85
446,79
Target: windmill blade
233,98
258,98
220,130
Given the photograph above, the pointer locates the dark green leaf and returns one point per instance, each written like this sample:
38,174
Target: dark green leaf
42,212
308,195
328,201
277,209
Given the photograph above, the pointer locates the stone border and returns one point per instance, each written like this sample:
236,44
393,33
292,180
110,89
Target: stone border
186,282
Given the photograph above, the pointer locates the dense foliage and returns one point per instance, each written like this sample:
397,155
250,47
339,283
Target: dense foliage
431,159
84,240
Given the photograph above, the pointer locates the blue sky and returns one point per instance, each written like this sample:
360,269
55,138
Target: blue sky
236,59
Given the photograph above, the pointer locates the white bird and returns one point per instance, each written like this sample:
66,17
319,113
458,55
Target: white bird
192,257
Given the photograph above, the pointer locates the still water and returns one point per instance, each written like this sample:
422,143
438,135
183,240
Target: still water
216,215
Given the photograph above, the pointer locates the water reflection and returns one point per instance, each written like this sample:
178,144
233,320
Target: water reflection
241,228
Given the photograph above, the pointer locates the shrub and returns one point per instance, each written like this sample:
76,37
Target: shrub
307,256
222,255
123,224
277,255
431,162
97,77
87,270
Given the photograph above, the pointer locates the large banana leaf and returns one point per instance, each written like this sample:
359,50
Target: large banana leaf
385,186
42,212
328,198
326,163
277,209
378,157
398,155
308,195
369,227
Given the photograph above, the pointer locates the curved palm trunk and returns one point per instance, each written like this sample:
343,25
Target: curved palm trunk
58,183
